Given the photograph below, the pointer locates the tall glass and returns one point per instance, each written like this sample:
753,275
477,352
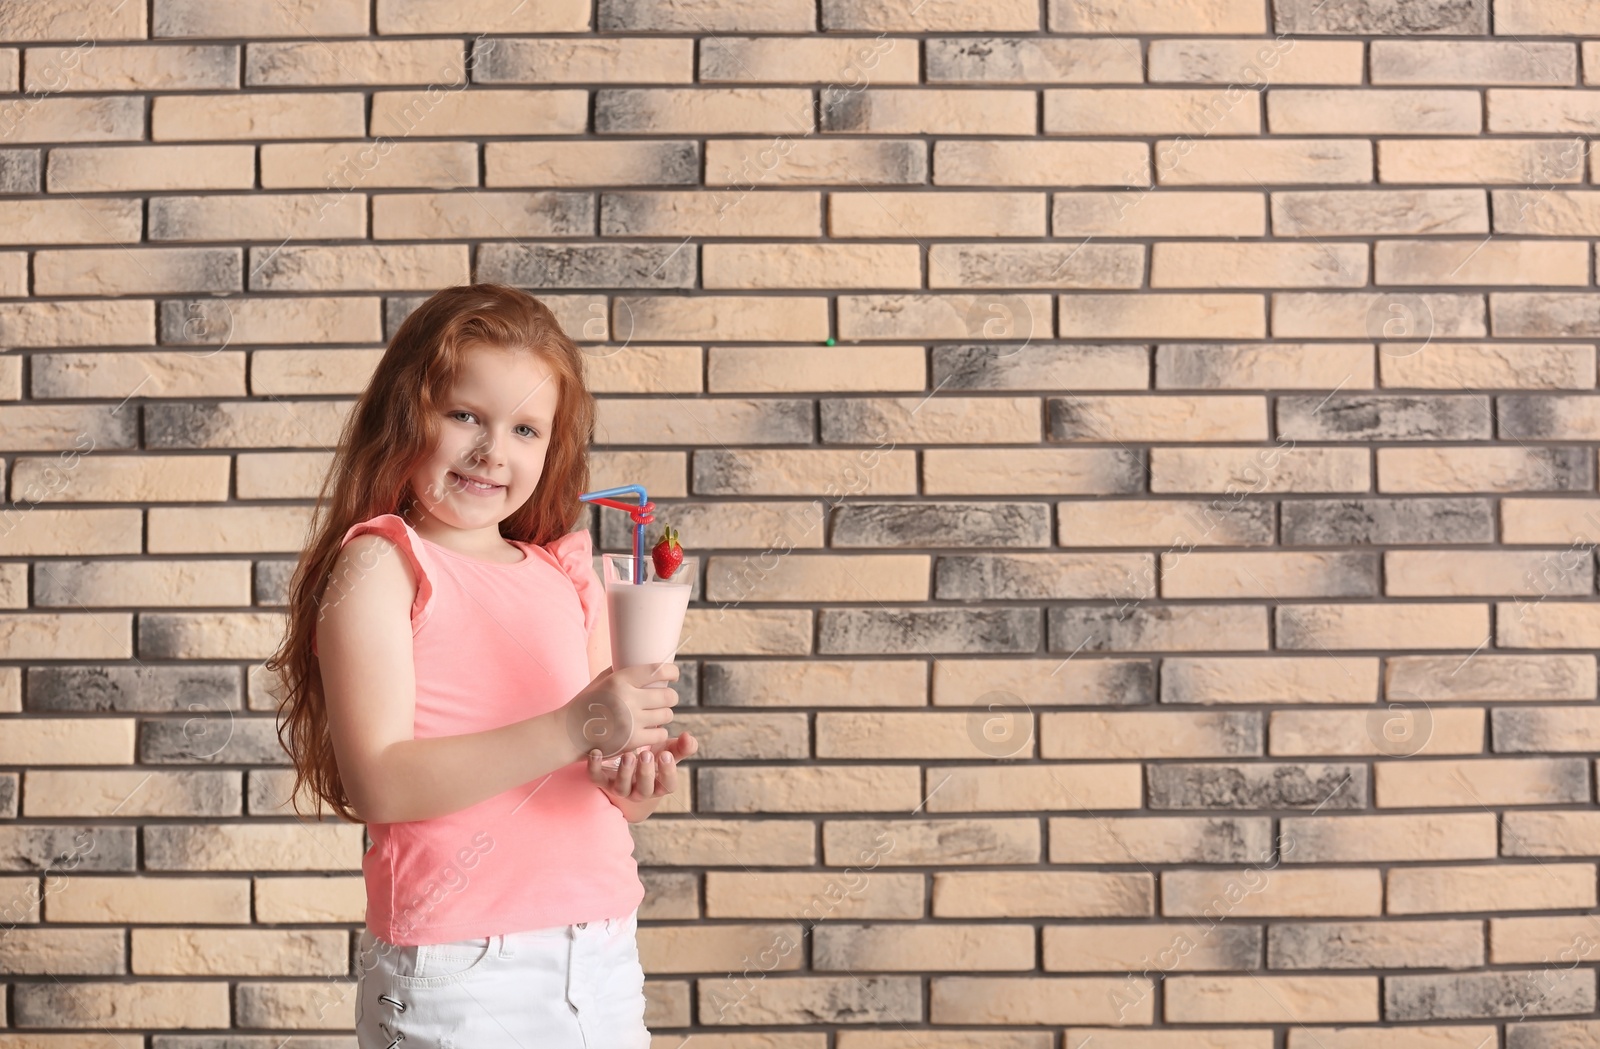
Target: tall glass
646,618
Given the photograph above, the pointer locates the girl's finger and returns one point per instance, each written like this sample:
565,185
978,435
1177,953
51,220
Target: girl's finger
669,774
625,774
647,776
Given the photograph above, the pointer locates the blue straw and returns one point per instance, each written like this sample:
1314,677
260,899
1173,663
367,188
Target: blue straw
604,497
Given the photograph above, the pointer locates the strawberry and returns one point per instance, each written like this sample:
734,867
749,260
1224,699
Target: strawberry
667,554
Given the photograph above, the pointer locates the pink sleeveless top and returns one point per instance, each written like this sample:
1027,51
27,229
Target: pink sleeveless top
495,643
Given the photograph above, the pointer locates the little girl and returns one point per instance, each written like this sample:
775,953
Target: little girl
447,670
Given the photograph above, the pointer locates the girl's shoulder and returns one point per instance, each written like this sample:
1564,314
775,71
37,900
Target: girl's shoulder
414,554
574,552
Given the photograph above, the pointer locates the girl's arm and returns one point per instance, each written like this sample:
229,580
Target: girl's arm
369,681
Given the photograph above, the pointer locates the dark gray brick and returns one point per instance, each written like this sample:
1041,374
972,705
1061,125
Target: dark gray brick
194,322
8,796
941,524
1389,17
1557,314
1258,785
1321,522
1530,729
64,849
19,170
270,581
1034,577
1548,417
183,424
210,738
396,308
1388,417
193,688
1126,627
250,1041
1458,996
1554,1034
997,366
913,630
589,265
1375,945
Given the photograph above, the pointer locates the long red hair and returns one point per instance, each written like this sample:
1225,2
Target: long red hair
392,428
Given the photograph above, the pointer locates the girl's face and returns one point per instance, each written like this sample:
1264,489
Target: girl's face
494,427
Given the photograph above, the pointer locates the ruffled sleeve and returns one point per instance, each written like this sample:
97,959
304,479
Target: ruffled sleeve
393,528
575,553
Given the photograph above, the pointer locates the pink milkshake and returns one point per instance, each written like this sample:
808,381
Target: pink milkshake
646,618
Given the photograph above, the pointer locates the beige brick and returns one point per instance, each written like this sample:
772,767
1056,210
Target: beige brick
1494,261
698,842
569,61
130,792
1141,418
1481,161
154,373
697,110
1035,266
776,60
1303,314
320,319
839,788
123,1005
883,214
1478,366
1255,63
240,952
720,948
1155,839
485,16
458,215
318,1004
1400,730
137,271
67,741
1053,1000
73,19
1031,788
116,322
354,62
568,163
95,169
1556,833
1547,624
313,899
260,18
62,952
1388,838
68,636
242,847
1254,470
20,898
1407,1037
1209,265
1153,16
903,735
1254,892
1024,471
256,116
1521,110
347,166
145,900
756,266
1480,782
1271,999
1162,315
1151,522
1483,573
824,579
358,267
1045,894
1240,162
489,111
983,316
1152,111
323,370
1281,365
258,216
1081,682
644,369
837,895
177,67
1040,163
1148,734
10,68
940,16
823,369
1120,948
907,947
1147,214
1410,625
1362,111
59,118
1239,574
1546,211
14,278
1565,939
1548,520
751,162
953,841
1526,887
1368,212
920,111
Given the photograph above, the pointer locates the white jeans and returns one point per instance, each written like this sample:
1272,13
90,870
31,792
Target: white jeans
564,987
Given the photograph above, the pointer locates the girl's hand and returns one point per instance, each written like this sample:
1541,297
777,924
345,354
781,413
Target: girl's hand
635,779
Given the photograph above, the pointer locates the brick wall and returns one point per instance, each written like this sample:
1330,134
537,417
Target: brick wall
1145,451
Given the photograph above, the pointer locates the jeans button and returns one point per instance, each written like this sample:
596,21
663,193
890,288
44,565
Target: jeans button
583,925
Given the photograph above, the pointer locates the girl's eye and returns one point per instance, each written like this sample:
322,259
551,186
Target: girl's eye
531,431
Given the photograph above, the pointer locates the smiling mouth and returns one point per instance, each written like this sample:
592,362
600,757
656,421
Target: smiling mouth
471,485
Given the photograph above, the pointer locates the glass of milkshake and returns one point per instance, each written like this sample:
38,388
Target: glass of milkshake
646,618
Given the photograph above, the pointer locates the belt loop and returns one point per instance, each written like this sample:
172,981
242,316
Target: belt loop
506,950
